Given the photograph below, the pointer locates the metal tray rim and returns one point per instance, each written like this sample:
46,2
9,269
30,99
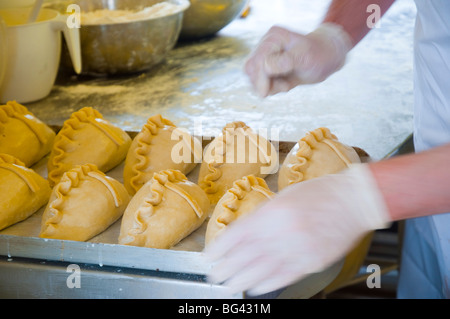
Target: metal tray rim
167,260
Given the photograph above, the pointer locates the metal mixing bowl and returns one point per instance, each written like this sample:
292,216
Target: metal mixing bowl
206,17
129,47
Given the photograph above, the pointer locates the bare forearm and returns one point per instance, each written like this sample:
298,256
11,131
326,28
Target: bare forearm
352,15
415,185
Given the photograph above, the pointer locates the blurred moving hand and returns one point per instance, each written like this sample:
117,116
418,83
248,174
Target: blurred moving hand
285,59
304,229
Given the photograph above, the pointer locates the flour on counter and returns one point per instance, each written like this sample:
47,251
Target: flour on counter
367,104
82,89
106,16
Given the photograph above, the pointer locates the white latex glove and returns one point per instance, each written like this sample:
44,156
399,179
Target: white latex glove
304,229
285,59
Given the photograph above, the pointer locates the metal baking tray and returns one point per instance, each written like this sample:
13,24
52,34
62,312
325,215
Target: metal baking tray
21,241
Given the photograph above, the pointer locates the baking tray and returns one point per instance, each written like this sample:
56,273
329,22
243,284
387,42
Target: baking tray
21,240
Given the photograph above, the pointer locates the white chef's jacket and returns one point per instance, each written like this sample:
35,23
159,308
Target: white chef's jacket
425,267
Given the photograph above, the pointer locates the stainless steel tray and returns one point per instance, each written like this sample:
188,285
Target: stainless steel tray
21,241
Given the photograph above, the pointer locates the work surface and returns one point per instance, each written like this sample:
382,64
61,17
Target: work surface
367,104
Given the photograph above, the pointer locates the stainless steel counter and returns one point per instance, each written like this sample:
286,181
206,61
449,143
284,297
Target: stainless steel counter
367,104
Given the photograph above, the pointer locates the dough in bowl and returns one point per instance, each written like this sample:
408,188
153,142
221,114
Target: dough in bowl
22,135
164,211
22,191
160,145
87,138
83,204
245,196
236,153
318,153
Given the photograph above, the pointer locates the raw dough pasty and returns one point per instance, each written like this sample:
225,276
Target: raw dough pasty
83,204
22,135
159,146
318,153
164,211
236,153
22,191
244,197
86,138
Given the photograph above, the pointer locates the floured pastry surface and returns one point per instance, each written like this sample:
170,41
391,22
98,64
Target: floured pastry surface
164,211
157,148
22,191
318,153
244,197
86,138
22,135
83,204
236,153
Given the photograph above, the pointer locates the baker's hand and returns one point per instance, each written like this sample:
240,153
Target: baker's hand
304,229
285,59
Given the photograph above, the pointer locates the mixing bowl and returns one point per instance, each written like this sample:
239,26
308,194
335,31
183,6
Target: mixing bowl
124,47
206,17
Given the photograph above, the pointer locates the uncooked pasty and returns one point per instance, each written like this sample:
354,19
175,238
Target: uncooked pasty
164,211
244,197
86,138
83,204
159,146
22,135
22,191
236,153
318,153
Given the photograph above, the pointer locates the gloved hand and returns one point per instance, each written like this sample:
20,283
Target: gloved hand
304,229
285,59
